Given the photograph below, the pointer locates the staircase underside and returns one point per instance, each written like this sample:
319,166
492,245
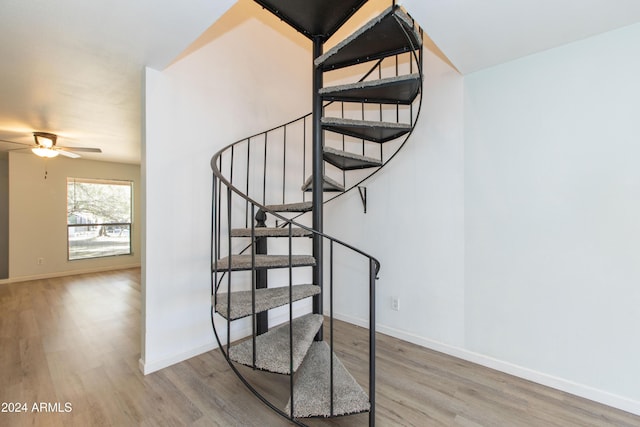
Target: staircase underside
369,130
313,18
311,391
392,90
329,185
367,44
349,161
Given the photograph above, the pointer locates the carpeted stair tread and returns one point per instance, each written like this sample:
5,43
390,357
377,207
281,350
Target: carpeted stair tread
291,207
383,36
271,232
329,185
266,299
370,130
243,262
272,348
311,390
393,90
349,161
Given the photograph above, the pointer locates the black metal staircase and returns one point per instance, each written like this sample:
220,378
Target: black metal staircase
333,149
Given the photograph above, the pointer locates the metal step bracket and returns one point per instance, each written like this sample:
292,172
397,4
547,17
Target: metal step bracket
363,196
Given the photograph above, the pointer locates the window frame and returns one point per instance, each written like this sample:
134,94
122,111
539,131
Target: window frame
121,182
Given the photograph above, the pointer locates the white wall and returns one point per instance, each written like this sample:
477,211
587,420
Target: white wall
38,215
507,226
552,201
251,74
414,223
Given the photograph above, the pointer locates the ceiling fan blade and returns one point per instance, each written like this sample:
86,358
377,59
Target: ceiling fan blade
17,143
68,153
81,149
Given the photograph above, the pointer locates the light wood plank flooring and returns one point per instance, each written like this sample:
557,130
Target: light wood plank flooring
77,339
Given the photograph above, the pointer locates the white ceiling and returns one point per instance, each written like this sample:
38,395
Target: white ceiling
75,67
477,34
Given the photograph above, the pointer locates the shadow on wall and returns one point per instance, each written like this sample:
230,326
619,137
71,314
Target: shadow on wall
239,13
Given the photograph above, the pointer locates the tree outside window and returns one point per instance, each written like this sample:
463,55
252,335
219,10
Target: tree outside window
99,216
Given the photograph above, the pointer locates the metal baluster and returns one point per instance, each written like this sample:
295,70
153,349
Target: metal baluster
214,249
229,257
246,213
291,318
219,218
253,287
372,341
304,154
284,163
331,324
264,172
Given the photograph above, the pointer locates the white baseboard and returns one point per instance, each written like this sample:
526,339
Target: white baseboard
67,273
581,390
149,367
239,333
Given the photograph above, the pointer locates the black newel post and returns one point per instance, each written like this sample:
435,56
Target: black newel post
262,322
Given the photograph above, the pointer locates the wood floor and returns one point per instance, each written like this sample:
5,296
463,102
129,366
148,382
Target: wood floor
75,341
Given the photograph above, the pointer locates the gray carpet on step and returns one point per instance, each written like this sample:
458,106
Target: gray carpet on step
265,299
272,348
244,262
368,83
291,207
311,389
336,121
270,232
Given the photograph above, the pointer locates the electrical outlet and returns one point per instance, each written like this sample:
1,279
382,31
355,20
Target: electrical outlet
395,303
40,261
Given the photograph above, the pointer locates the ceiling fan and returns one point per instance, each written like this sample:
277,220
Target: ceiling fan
45,146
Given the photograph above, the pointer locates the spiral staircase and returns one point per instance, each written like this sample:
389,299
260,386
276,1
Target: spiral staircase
271,260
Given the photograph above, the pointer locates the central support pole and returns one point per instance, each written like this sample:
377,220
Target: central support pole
317,179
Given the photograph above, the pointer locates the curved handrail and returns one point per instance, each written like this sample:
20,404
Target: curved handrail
216,158
374,267
286,220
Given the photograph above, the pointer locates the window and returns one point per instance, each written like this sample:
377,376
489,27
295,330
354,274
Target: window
98,218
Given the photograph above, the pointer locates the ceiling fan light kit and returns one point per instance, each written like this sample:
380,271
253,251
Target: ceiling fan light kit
44,152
